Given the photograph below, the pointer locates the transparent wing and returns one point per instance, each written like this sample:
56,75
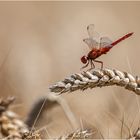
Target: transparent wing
105,42
90,30
91,43
93,40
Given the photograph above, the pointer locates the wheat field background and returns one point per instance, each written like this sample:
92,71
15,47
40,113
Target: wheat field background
41,43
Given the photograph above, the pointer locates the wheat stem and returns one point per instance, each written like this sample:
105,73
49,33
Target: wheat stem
97,78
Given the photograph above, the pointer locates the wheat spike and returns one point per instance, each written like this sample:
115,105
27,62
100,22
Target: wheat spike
97,78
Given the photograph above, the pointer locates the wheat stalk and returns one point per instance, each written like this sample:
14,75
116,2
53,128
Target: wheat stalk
97,78
87,133
11,126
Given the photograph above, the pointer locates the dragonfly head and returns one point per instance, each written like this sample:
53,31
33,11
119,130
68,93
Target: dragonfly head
84,59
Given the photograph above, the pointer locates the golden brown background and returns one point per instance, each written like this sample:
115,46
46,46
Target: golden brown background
41,43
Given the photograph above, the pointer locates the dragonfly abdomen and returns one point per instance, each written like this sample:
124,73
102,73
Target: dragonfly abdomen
121,39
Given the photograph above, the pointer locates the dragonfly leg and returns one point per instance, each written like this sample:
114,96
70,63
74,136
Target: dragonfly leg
99,62
85,65
92,65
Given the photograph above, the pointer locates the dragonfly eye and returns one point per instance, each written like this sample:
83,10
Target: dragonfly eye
84,59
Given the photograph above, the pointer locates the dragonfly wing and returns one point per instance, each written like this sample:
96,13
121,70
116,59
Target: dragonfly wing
91,31
93,40
91,43
105,42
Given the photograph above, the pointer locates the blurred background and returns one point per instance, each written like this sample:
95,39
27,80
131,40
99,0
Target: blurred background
41,43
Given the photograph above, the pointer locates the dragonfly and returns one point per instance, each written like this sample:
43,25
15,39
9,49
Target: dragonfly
98,46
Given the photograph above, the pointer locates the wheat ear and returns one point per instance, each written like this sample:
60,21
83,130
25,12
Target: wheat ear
97,78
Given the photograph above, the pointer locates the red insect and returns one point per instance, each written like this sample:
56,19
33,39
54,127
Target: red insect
98,47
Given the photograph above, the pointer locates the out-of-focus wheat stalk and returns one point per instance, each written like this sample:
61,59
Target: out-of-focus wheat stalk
87,133
49,102
97,78
11,126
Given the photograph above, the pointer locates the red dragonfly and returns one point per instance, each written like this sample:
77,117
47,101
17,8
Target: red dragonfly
98,47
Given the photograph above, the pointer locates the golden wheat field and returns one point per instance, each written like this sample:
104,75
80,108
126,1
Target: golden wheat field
41,43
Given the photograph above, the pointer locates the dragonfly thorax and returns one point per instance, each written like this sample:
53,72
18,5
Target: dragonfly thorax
93,54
